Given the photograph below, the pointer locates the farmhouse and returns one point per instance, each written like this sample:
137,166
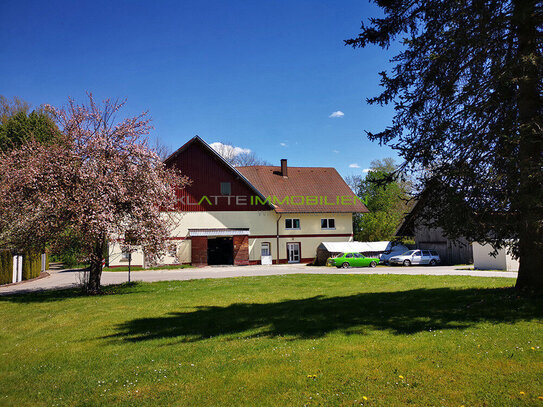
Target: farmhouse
252,215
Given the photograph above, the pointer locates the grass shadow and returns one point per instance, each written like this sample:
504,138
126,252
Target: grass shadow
35,296
400,312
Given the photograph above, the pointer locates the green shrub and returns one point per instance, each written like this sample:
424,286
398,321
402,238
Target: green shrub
69,249
31,264
6,267
70,259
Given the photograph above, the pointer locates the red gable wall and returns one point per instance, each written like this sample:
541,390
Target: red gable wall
206,173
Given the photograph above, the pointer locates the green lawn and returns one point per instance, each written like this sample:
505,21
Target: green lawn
297,340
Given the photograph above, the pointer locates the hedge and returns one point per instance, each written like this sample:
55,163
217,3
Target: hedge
31,264
6,267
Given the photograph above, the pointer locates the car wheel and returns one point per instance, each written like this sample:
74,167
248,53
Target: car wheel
433,262
345,265
406,263
373,264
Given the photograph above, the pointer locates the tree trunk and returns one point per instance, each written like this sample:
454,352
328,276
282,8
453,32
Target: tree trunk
95,271
530,276
530,198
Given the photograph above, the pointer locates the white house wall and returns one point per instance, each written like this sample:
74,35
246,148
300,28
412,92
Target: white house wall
262,227
482,260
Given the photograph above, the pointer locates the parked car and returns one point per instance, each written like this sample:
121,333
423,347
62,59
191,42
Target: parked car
346,260
412,257
393,251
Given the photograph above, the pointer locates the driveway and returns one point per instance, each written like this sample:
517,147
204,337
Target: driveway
70,278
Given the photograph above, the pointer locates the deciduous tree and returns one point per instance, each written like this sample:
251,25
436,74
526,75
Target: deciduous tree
101,182
387,197
467,90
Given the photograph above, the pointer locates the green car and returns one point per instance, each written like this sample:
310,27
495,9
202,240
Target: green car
353,259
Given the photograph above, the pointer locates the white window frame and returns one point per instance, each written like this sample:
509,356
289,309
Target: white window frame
327,223
292,222
267,247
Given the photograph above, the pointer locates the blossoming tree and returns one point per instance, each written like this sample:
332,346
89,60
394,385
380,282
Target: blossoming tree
101,180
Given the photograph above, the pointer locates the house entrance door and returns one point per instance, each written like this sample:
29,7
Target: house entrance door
293,252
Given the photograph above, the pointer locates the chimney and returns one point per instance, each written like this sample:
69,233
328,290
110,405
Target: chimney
284,170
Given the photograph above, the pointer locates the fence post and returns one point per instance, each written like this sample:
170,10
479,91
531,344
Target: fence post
17,268
43,260
20,268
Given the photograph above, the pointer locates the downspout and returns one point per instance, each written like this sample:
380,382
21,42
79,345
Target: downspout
277,224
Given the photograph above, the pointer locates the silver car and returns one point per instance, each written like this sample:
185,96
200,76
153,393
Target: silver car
410,257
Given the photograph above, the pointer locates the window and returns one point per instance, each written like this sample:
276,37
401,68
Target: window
226,188
358,255
292,223
328,223
125,256
425,253
265,249
349,256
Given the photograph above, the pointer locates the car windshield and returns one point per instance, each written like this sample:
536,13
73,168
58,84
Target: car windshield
408,253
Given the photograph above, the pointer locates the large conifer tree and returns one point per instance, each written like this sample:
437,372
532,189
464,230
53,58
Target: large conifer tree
467,88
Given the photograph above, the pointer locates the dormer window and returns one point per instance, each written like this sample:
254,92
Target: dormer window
226,188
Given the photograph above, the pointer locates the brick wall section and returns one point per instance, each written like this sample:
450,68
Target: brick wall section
241,250
199,251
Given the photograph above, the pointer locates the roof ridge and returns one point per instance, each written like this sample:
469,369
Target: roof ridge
221,158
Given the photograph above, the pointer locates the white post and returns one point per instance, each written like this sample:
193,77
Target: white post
43,262
15,268
20,268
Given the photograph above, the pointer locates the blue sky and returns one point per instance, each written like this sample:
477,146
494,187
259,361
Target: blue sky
262,75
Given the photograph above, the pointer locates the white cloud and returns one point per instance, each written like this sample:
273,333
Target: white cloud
366,170
335,151
354,165
283,144
227,150
337,113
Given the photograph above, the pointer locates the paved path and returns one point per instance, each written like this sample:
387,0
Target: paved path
70,278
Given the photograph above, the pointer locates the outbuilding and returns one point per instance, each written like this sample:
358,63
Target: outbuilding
451,251
484,258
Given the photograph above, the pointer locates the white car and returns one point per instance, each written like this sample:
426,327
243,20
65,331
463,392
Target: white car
416,257
394,251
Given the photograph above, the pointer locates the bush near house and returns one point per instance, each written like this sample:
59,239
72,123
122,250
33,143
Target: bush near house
6,267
